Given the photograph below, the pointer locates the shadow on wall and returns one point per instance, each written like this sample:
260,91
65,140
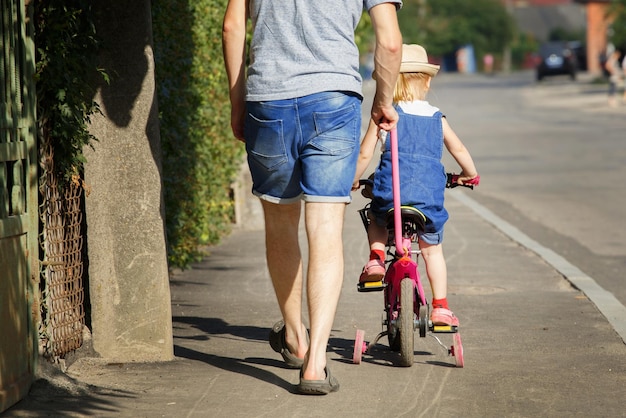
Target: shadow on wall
121,26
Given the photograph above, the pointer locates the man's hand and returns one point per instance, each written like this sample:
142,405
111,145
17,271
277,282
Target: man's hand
385,118
237,118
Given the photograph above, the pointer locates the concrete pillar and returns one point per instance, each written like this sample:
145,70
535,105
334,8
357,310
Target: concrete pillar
128,272
597,25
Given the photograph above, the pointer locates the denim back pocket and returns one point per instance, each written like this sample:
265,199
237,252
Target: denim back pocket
337,130
265,142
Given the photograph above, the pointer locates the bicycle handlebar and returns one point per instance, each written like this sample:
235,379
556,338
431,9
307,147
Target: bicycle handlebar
452,181
366,182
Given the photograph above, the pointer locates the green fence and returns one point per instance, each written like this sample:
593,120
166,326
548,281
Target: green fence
18,204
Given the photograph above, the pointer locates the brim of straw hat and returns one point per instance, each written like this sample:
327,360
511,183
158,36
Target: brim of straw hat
416,67
419,67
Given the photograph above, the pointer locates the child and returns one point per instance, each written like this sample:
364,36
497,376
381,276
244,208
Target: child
422,132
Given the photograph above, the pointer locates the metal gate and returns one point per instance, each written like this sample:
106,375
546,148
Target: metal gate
18,203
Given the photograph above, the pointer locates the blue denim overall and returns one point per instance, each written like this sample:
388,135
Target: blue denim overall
422,175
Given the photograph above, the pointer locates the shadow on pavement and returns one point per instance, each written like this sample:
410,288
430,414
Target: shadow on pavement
65,396
235,365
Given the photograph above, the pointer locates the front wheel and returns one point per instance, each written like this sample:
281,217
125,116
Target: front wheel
406,320
392,326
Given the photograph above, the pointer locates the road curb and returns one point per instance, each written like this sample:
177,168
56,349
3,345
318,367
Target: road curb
608,304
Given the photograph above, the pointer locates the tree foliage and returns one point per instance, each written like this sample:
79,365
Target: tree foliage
364,35
442,26
617,12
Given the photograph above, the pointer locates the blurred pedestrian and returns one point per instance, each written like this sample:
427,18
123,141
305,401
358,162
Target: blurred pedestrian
488,63
616,74
624,77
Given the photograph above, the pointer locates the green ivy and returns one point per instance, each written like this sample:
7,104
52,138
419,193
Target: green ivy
201,158
66,44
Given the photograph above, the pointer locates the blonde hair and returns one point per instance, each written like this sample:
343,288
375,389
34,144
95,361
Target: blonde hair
411,86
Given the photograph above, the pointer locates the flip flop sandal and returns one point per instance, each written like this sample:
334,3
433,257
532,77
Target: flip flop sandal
277,341
319,387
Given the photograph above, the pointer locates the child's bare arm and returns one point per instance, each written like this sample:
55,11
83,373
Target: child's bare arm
368,145
459,152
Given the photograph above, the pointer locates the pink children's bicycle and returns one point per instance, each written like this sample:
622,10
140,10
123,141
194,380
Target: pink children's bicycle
406,307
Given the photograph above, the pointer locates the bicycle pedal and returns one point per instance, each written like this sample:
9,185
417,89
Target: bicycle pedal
445,329
371,286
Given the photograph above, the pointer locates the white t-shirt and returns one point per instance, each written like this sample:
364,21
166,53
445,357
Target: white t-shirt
418,107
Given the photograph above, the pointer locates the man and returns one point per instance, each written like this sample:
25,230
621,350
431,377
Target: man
298,112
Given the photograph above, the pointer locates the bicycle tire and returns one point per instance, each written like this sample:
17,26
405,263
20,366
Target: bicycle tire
406,320
392,330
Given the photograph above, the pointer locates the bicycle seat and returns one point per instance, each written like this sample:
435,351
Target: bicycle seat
410,215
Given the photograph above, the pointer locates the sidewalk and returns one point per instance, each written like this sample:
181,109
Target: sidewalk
534,346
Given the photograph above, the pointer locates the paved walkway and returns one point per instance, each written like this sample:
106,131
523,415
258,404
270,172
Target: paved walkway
534,345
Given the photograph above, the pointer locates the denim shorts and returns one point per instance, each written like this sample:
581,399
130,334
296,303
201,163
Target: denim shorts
304,148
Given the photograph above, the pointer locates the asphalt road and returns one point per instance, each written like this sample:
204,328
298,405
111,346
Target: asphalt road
551,156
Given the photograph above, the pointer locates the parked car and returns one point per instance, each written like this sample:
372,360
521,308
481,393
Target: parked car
556,58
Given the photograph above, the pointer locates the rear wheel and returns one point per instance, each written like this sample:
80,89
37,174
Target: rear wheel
406,320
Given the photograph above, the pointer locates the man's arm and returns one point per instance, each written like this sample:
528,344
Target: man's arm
234,49
387,58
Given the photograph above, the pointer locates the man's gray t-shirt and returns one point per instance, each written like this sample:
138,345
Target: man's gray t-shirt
301,47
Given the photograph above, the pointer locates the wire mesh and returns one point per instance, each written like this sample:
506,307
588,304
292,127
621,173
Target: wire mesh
62,286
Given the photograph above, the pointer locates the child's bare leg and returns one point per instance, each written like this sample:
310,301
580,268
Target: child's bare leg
377,236
374,270
438,278
435,268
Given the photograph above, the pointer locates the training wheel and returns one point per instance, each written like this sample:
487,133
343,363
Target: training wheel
359,346
457,350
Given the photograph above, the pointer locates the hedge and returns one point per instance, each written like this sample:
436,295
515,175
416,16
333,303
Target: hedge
200,155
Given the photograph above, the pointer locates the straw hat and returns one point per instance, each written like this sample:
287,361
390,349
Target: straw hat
415,60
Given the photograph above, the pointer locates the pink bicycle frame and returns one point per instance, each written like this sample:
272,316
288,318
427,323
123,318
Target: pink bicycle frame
406,266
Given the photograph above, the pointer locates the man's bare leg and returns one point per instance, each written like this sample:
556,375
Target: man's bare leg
324,226
284,262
